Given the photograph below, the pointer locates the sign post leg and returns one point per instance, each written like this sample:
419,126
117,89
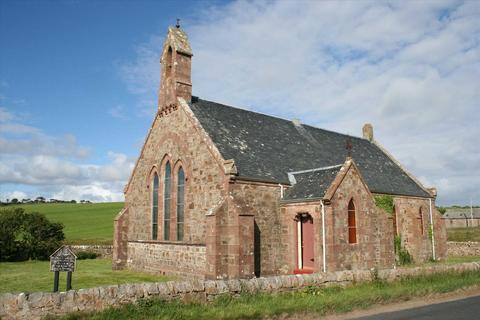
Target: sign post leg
69,280
55,281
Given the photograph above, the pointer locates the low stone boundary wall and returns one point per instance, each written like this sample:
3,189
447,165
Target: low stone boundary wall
104,251
456,249
39,304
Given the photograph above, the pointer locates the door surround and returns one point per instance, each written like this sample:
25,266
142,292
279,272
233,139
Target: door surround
304,243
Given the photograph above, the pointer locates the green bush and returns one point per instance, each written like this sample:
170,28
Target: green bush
404,257
83,255
26,236
385,202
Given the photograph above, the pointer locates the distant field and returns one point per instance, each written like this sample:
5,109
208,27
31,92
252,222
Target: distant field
31,276
89,223
464,234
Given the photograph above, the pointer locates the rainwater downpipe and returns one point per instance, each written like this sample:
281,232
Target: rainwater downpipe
324,238
281,190
431,226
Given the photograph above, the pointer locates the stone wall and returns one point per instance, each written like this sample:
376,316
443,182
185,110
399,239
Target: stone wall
263,202
409,226
102,251
461,223
174,138
289,235
177,259
374,245
40,304
459,249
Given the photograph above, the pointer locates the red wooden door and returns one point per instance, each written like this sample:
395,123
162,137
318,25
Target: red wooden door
307,244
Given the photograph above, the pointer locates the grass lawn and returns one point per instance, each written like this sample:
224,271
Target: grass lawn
89,223
463,234
31,276
312,301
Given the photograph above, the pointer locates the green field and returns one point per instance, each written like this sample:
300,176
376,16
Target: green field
32,276
464,234
89,223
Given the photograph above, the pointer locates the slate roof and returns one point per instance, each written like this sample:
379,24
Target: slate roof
311,184
461,213
267,148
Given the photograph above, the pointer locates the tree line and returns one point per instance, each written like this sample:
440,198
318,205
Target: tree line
38,200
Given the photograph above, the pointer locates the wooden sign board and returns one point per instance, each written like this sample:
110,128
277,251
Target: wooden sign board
63,259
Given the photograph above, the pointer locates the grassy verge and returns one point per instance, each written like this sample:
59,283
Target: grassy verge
463,234
312,300
31,276
89,223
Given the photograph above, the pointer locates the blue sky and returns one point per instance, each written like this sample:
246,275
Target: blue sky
79,79
59,62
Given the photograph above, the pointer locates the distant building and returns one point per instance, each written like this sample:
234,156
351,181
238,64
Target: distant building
462,217
222,192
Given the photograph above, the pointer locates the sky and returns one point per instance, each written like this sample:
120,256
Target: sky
79,83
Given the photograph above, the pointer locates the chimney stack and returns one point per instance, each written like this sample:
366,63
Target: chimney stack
368,132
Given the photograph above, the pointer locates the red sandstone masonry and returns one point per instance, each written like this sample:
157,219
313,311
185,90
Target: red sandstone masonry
183,260
40,304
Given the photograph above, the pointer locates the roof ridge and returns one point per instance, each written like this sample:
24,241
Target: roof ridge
291,175
276,117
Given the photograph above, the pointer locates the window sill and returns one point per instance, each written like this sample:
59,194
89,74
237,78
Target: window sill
178,243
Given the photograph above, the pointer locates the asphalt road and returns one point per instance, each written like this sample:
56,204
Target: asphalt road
463,309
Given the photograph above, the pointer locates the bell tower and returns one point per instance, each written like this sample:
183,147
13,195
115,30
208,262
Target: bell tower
176,70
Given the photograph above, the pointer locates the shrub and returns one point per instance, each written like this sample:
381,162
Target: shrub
404,257
26,236
385,202
83,255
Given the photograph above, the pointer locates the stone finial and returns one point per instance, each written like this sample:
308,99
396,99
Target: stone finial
433,191
230,168
368,132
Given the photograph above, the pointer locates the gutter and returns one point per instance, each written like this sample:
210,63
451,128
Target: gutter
431,226
324,251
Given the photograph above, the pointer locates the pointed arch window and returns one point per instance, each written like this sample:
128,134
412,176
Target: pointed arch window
352,223
420,218
167,197
180,203
155,207
169,64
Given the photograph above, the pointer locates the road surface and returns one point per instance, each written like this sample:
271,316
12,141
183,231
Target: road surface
463,309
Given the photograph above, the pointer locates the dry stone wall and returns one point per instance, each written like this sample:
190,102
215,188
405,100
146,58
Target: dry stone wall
103,251
460,249
40,304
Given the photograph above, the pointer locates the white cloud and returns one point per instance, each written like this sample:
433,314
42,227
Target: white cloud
19,195
410,68
55,167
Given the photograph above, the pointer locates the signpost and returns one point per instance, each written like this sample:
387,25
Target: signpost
63,259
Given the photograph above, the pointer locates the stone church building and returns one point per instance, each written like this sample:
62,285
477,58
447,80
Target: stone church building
222,192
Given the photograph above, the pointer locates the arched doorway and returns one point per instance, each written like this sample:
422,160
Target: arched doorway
304,243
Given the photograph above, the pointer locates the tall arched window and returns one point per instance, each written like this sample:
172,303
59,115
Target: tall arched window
167,194
180,203
420,217
352,224
155,207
